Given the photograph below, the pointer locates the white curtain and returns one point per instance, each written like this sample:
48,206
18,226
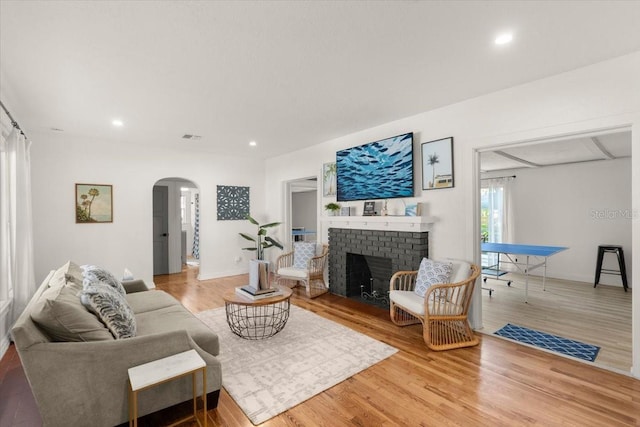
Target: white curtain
496,199
507,211
17,279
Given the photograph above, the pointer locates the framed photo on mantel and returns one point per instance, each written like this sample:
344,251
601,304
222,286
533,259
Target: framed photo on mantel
369,209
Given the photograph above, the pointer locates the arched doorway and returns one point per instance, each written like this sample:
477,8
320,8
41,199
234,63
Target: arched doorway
175,225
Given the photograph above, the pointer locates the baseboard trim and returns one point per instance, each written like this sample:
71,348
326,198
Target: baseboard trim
5,326
4,345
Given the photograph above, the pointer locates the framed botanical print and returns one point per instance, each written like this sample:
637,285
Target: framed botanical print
94,203
329,179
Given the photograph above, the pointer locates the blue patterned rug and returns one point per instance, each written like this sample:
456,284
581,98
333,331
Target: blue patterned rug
550,342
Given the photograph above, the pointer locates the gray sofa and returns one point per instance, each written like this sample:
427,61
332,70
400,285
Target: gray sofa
78,371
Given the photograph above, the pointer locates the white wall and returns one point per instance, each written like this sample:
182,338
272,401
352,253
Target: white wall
577,206
58,162
600,96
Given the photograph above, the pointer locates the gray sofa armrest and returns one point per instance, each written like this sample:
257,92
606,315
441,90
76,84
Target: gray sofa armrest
93,376
133,286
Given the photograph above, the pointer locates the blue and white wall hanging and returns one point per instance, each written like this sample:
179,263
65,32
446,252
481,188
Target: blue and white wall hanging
233,203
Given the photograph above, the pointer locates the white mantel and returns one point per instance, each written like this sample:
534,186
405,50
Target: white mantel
385,223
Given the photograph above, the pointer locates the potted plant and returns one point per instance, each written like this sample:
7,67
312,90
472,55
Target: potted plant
332,207
261,241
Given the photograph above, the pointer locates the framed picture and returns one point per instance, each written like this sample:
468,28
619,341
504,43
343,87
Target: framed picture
369,209
329,179
412,209
437,164
94,203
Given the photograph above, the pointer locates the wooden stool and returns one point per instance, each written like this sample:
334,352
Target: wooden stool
622,270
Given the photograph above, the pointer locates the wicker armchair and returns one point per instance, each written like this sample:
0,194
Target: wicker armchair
443,310
312,277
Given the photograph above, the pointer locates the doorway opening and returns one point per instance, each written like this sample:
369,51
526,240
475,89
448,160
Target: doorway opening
176,226
551,192
301,210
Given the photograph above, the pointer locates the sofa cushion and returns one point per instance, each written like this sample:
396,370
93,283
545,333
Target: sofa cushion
69,272
93,273
431,273
178,318
141,302
111,308
61,315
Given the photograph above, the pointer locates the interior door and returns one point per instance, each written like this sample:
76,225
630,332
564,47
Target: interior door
160,230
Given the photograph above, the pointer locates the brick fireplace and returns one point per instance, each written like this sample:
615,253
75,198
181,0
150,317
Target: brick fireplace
363,260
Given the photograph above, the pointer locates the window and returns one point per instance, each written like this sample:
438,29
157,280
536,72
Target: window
491,213
183,209
495,213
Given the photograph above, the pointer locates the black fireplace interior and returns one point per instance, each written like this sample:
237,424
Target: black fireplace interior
368,279
399,250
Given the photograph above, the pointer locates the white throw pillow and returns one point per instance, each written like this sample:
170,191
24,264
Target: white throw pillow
431,273
302,253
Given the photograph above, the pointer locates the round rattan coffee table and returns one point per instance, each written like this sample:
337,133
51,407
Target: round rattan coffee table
257,319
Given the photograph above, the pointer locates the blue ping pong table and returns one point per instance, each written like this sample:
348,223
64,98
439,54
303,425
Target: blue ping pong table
535,257
300,234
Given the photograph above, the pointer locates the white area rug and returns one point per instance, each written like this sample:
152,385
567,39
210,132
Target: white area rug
310,355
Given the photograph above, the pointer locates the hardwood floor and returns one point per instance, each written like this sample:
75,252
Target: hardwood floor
498,383
17,405
576,310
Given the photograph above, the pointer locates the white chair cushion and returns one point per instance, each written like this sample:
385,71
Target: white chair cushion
300,273
461,271
302,253
408,299
415,304
431,273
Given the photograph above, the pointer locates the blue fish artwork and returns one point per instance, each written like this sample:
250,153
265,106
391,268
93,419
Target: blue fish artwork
378,170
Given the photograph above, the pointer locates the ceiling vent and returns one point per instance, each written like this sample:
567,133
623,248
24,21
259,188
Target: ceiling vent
188,136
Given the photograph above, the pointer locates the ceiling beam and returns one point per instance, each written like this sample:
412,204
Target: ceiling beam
600,147
517,159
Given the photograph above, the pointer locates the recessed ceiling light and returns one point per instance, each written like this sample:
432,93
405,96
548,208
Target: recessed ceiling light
253,143
504,38
117,123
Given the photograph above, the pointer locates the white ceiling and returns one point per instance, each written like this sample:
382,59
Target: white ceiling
582,148
285,74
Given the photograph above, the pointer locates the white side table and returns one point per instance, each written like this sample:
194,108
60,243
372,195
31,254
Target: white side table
159,371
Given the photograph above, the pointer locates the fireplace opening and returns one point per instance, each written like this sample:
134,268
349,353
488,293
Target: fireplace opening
368,279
